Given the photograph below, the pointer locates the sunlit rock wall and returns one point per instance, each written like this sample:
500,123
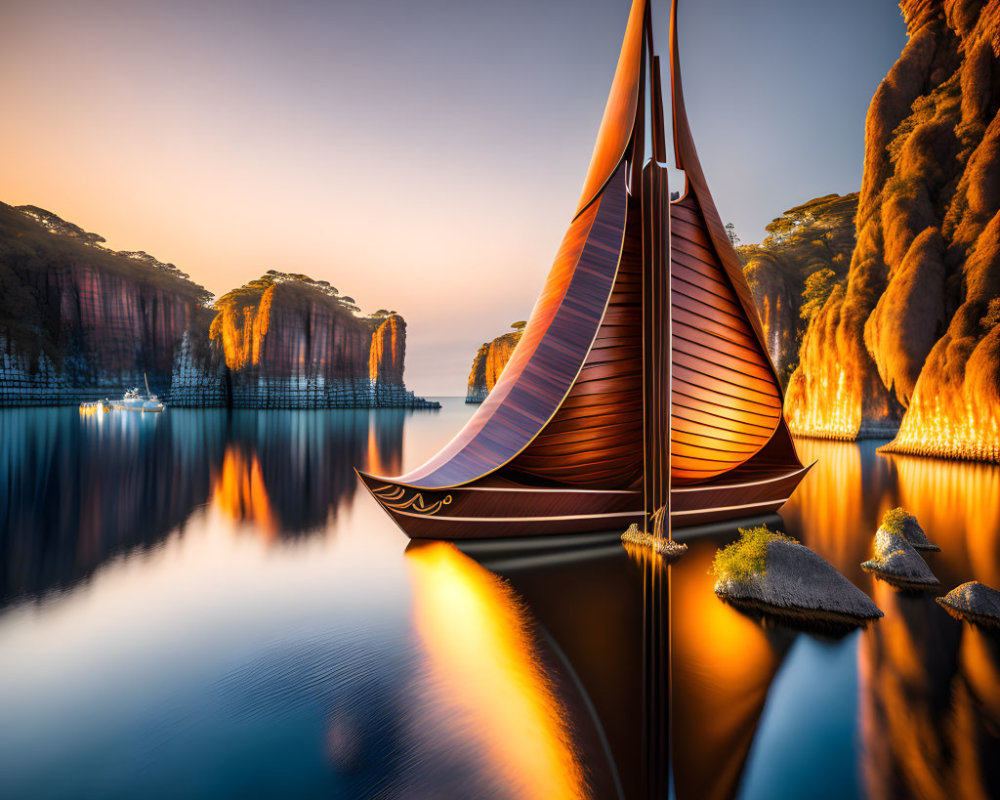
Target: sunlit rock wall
916,329
777,301
488,364
387,352
290,342
816,240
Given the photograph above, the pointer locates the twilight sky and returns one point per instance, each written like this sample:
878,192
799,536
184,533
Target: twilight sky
423,156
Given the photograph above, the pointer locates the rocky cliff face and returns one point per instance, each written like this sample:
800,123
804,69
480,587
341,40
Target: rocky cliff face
914,337
81,322
803,258
291,342
388,349
78,320
489,362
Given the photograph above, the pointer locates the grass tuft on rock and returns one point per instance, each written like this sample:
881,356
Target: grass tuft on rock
747,556
894,521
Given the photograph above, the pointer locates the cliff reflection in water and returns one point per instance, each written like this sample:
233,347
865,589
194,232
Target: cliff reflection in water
930,704
929,685
838,506
76,491
290,472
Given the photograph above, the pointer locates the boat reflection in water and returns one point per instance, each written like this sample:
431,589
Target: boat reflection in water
484,671
658,681
722,667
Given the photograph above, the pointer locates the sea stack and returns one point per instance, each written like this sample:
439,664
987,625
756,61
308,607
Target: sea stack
768,572
973,602
896,562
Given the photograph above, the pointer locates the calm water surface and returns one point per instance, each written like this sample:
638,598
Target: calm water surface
202,604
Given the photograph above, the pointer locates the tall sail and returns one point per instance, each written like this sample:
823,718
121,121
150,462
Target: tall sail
563,326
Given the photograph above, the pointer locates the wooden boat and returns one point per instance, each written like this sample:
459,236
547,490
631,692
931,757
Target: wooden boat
642,382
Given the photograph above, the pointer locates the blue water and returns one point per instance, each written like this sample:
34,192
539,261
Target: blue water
205,604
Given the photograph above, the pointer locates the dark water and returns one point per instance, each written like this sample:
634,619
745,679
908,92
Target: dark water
202,604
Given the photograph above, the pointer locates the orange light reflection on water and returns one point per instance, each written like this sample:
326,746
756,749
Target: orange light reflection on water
839,505
958,505
722,666
482,663
239,492
930,702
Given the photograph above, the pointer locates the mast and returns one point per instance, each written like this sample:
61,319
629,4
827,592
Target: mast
656,312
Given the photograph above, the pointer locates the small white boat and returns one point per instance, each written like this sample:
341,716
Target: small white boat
133,400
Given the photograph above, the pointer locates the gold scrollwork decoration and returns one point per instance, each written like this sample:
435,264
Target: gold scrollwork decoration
389,492
393,497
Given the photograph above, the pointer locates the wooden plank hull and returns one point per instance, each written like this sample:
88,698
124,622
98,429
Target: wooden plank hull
504,509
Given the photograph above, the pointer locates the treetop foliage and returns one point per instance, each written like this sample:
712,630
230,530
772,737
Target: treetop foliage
250,294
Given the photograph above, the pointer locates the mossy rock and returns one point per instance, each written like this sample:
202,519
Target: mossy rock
897,520
770,573
974,602
898,563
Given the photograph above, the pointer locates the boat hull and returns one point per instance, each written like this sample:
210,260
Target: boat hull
510,511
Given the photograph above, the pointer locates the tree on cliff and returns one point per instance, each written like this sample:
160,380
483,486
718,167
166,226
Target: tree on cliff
734,240
51,269
815,238
818,287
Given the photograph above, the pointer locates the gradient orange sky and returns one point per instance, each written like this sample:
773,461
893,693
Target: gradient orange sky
421,156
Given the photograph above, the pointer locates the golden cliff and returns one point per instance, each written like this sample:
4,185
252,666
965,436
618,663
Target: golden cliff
388,348
914,335
292,342
489,362
806,253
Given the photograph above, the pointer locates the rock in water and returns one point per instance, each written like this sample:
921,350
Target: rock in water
915,535
898,563
973,602
896,520
768,572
